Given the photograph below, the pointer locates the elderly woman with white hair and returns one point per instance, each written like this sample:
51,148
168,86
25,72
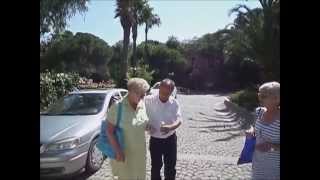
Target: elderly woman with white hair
130,163
266,156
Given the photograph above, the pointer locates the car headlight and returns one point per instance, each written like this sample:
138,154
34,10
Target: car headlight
64,144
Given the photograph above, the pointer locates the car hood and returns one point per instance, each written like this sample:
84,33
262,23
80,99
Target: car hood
53,128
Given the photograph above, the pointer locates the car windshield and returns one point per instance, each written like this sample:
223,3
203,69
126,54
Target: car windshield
78,104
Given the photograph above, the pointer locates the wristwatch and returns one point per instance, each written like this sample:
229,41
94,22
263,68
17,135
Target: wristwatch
272,149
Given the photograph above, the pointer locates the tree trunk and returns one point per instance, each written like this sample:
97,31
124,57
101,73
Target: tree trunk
124,64
146,41
134,39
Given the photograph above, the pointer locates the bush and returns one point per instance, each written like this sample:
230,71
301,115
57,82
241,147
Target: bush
55,85
85,83
246,98
141,71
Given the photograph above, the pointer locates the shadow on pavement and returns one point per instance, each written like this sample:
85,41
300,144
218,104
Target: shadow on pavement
214,126
232,136
212,129
213,120
191,92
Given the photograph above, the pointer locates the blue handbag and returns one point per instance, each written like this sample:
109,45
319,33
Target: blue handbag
103,142
249,145
247,151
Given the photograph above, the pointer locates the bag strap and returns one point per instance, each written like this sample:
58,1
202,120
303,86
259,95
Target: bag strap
119,114
259,113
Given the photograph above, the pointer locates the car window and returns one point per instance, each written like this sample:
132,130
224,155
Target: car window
78,104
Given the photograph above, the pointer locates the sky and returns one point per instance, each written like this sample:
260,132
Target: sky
184,19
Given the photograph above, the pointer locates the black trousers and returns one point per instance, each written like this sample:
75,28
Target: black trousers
166,148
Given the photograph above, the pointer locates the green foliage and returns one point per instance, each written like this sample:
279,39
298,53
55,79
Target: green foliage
241,73
83,53
124,11
211,45
54,13
114,65
142,71
246,53
85,83
173,43
246,98
163,61
256,35
150,19
138,7
55,85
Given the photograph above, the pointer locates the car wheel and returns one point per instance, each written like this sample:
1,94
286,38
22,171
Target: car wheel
95,158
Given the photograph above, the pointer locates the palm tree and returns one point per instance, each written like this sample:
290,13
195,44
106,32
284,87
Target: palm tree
149,20
138,6
124,12
271,32
258,33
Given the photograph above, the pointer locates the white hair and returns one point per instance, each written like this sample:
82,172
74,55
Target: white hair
138,85
271,88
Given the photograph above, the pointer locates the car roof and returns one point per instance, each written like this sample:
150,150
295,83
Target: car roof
83,91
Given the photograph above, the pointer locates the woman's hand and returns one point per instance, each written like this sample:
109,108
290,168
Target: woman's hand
114,144
250,132
120,156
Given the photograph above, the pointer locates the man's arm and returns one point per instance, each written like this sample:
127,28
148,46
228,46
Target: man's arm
170,127
175,125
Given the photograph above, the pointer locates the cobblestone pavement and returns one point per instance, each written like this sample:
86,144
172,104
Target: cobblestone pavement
209,142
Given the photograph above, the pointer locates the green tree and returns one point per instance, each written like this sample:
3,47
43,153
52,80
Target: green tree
138,6
257,31
173,43
55,85
150,19
83,53
124,12
54,13
142,71
114,64
164,61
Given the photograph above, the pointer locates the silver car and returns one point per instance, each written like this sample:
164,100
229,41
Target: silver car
69,131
